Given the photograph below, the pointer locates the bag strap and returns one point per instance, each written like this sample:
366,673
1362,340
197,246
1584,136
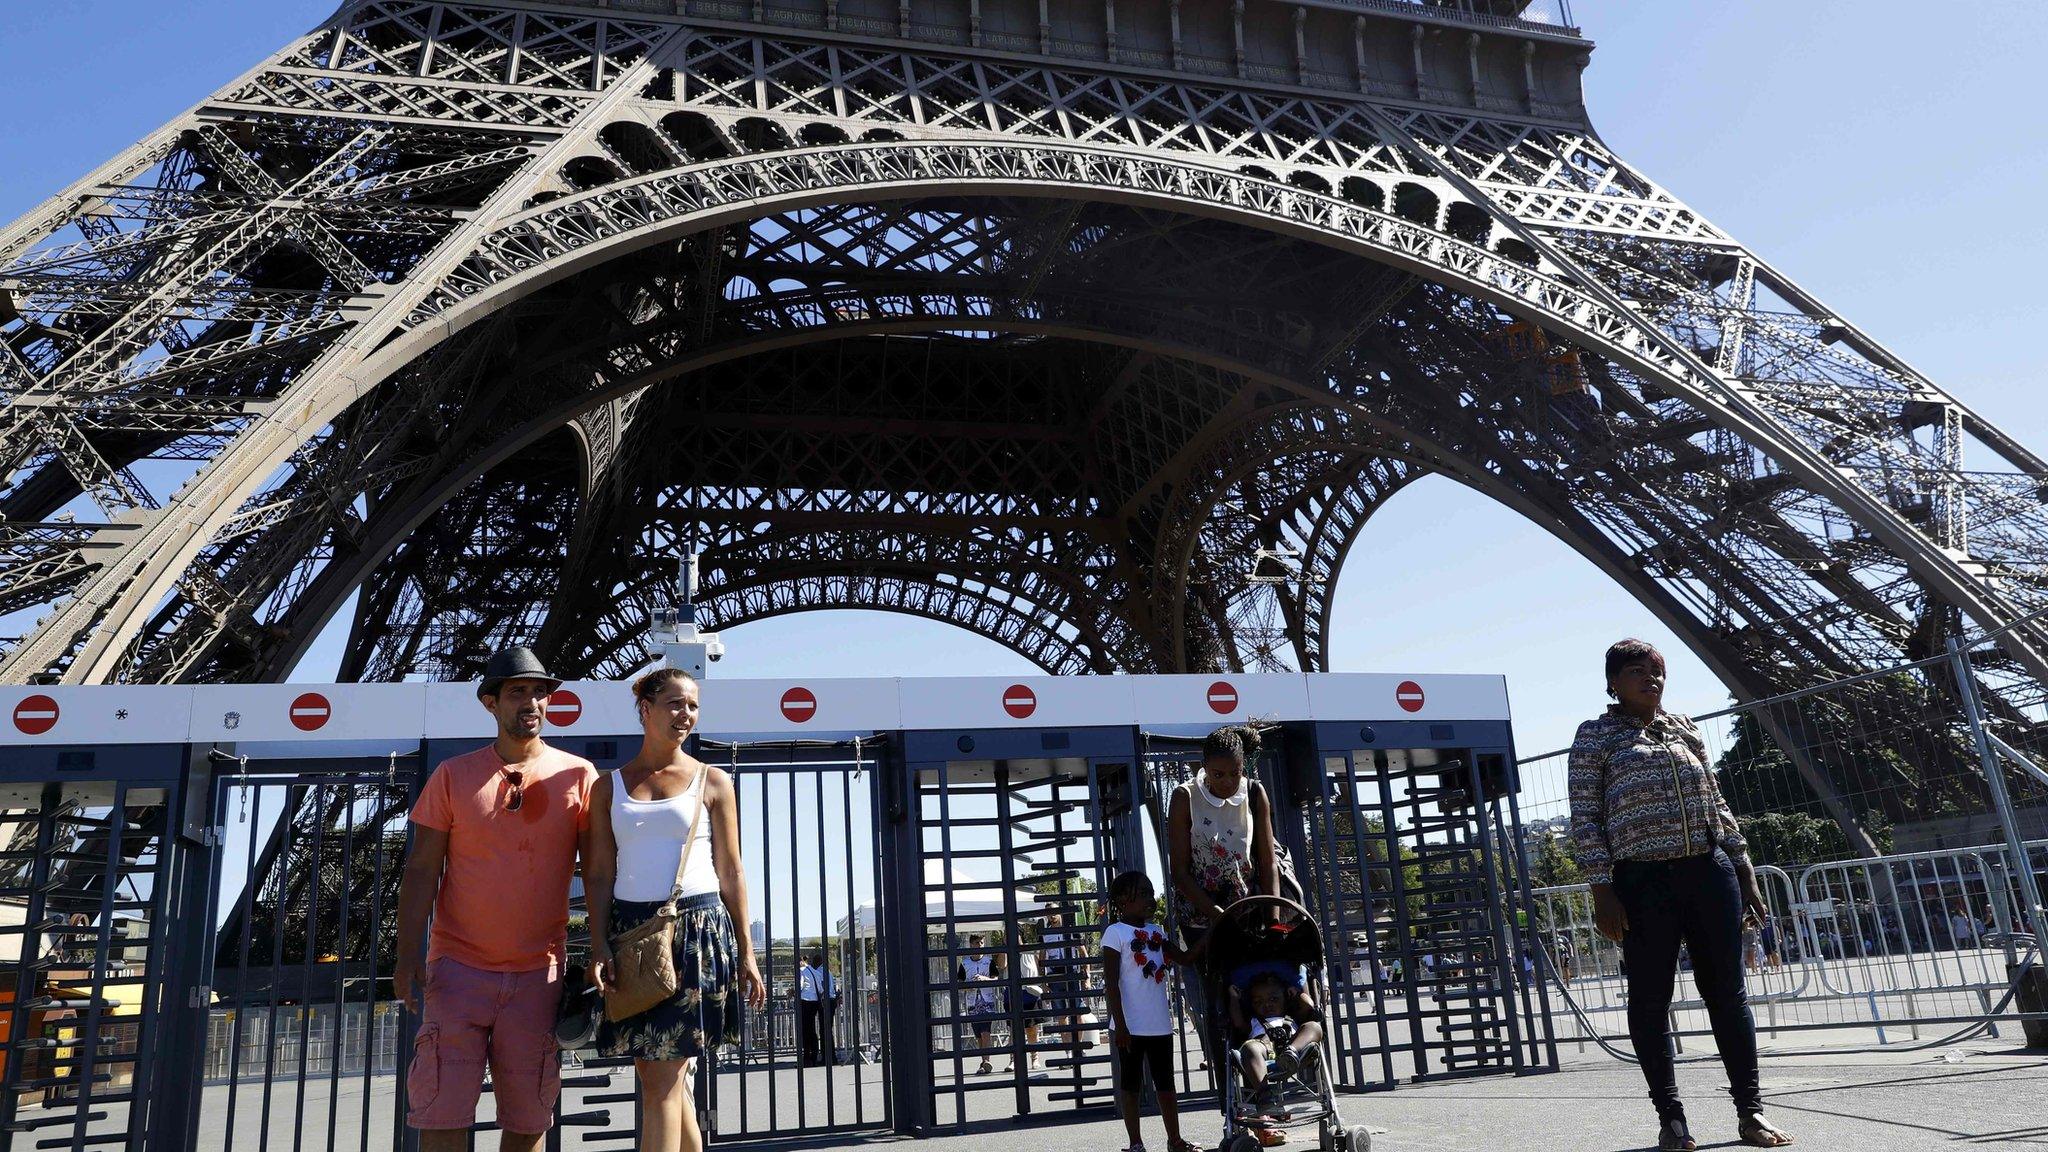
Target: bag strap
675,894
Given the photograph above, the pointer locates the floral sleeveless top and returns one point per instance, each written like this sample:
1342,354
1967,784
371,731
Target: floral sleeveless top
1219,850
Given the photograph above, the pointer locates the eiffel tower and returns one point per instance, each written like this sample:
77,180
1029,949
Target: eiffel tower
1099,330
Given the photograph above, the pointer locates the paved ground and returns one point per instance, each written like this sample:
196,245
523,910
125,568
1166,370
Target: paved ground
1977,1097
1987,1094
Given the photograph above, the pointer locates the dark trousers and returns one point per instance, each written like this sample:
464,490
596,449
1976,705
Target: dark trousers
1695,902
808,1039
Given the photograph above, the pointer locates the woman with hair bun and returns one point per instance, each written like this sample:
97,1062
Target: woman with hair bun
1219,834
1219,845
664,827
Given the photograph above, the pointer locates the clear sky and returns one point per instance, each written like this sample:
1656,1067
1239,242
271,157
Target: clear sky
1890,155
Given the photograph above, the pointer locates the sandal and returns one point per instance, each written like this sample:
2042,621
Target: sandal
1674,1136
1758,1132
1269,1137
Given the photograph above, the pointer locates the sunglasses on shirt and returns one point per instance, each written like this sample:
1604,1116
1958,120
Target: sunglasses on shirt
518,794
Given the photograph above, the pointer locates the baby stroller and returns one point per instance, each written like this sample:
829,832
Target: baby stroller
1255,935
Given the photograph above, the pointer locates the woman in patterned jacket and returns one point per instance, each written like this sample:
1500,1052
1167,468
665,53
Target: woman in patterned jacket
1668,867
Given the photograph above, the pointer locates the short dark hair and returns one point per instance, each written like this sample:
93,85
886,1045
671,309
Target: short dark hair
1239,742
1622,653
1264,978
1130,884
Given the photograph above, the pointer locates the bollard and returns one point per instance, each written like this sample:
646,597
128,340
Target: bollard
2032,997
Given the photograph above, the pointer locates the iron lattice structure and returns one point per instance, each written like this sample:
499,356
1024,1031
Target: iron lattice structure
1097,330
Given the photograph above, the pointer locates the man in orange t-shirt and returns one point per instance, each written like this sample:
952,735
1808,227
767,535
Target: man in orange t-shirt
496,835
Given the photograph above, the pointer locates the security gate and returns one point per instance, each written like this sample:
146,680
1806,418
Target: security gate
197,935
1014,838
808,838
96,861
305,1046
1398,852
1409,868
271,904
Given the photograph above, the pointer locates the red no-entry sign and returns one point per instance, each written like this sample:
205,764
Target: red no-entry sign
1222,698
310,711
1408,694
564,707
35,714
799,705
1019,701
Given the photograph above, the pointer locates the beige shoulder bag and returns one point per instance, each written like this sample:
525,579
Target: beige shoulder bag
644,956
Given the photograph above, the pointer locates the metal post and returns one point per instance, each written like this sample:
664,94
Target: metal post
1994,777
188,957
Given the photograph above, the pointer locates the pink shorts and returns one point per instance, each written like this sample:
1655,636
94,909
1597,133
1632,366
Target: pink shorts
472,1014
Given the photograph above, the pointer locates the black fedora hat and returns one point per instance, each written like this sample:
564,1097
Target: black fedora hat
514,664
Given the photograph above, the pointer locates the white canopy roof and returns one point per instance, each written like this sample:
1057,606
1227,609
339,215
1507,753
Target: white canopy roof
974,909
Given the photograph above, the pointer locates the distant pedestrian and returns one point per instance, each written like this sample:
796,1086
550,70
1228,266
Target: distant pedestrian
1030,997
979,1004
1961,927
1064,957
817,997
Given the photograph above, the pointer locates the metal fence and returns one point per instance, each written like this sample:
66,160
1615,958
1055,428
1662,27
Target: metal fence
1898,948
243,1043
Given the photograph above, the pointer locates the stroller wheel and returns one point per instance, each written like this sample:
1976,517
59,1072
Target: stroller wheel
1335,1139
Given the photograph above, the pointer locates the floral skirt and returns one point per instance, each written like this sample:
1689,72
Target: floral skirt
705,1011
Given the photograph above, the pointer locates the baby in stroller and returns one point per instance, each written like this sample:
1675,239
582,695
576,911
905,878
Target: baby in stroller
1263,968
1279,1026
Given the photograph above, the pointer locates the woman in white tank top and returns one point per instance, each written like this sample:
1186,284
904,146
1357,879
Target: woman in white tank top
643,818
650,837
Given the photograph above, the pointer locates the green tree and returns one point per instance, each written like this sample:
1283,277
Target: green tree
1894,747
1552,864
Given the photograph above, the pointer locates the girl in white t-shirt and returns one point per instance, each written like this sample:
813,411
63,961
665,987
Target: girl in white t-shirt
1137,961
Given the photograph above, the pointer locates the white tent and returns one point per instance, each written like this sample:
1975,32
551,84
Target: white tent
974,909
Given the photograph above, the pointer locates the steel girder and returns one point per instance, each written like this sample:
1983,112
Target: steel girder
338,289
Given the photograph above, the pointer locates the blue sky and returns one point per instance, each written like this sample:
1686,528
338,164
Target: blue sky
1887,154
